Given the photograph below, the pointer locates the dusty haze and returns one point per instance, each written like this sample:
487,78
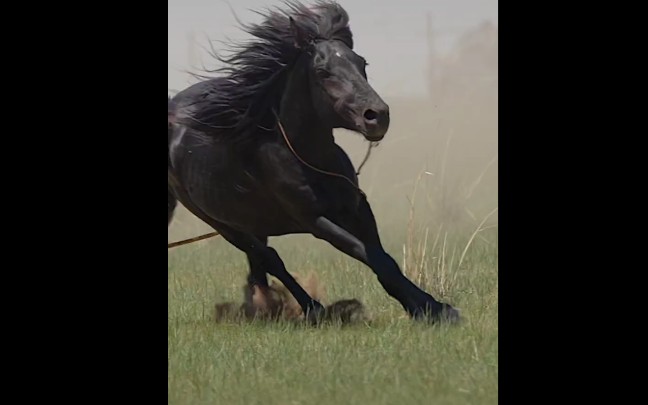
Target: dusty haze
434,62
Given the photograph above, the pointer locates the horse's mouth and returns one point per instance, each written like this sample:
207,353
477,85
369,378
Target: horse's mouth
372,133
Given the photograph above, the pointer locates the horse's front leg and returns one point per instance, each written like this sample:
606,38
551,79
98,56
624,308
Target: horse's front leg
358,237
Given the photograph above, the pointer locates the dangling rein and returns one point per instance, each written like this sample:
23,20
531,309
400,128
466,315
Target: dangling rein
283,132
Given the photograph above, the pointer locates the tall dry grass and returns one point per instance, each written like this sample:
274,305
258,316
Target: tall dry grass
427,257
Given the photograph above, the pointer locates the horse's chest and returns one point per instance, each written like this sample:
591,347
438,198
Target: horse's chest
336,194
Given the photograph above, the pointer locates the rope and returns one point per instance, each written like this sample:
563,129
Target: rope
191,240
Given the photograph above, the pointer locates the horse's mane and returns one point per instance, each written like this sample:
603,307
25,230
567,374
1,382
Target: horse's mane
253,78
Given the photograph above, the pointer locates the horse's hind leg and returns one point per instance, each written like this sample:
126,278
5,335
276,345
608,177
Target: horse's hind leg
172,202
258,273
264,259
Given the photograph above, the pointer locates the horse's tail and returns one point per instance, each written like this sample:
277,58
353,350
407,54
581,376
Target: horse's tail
172,202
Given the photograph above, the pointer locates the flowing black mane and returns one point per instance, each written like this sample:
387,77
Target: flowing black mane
254,74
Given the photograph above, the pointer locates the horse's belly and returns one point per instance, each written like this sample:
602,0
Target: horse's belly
243,207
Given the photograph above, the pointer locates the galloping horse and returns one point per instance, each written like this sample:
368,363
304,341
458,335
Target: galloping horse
252,152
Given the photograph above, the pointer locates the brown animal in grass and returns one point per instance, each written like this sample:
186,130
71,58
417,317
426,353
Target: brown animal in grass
347,311
273,302
276,302
290,307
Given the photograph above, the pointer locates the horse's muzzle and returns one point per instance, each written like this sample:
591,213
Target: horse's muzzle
376,122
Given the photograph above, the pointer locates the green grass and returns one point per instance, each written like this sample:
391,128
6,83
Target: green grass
392,360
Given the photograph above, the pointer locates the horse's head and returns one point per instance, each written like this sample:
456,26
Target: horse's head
341,94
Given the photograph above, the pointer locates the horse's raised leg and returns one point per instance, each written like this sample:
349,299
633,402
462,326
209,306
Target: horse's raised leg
264,259
358,237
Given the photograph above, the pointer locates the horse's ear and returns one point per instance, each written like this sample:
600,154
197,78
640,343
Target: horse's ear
301,38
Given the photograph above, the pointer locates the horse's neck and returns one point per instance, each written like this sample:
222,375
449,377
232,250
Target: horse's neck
308,137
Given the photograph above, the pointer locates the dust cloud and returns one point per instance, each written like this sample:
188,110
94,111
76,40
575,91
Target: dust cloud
434,62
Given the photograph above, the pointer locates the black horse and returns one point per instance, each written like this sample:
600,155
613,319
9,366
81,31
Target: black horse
252,153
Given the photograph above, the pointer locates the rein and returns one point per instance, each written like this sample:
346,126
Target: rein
371,146
285,137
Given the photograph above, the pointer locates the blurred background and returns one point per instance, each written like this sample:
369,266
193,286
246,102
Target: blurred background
435,62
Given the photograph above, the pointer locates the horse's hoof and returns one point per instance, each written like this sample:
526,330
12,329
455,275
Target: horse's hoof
316,314
450,314
446,313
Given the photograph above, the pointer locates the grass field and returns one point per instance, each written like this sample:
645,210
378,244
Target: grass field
440,158
391,360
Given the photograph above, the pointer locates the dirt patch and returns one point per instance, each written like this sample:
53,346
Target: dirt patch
276,303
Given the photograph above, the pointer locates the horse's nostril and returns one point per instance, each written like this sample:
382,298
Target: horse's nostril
371,115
